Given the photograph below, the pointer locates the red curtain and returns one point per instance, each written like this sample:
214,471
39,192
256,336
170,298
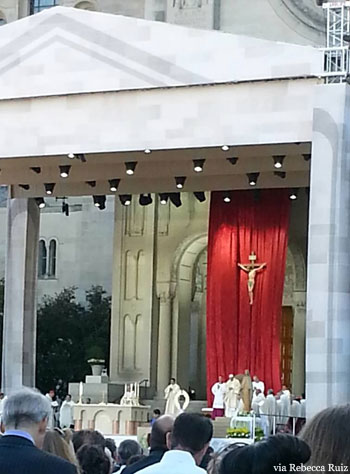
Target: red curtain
241,336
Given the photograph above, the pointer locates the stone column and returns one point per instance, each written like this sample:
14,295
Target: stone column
19,332
328,297
164,342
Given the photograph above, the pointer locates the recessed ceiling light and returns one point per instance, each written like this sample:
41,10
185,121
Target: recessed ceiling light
180,181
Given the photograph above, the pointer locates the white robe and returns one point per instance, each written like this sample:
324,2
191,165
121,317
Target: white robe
233,388
218,390
259,386
66,414
51,419
258,401
170,393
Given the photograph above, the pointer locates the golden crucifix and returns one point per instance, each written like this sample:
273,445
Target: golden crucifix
252,268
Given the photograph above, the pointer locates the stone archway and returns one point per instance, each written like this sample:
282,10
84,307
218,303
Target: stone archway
183,278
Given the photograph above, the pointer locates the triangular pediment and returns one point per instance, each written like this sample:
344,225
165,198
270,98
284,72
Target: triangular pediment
65,50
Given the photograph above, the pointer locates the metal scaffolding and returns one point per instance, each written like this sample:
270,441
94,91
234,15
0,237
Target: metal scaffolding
336,52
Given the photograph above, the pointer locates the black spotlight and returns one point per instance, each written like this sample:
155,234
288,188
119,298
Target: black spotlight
175,198
293,196
307,156
49,187
198,165
200,196
92,184
24,186
253,178
233,160
81,157
227,196
130,167
36,169
280,174
278,161
64,171
125,199
113,185
100,202
163,198
40,202
180,181
145,199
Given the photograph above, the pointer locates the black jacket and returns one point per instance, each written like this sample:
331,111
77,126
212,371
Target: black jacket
154,457
20,456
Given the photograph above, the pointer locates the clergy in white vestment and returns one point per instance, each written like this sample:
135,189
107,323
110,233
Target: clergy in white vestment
233,388
170,395
258,385
2,401
51,420
218,390
285,391
258,401
66,413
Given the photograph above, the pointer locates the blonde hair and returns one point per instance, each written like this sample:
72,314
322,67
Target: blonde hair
55,443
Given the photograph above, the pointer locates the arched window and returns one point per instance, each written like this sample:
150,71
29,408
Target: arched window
39,5
42,264
85,5
52,258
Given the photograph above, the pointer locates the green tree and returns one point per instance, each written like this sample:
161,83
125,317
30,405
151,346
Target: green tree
66,331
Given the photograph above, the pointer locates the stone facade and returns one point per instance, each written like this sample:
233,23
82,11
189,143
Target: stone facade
294,21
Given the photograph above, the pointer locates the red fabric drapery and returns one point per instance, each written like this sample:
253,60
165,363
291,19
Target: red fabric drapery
241,336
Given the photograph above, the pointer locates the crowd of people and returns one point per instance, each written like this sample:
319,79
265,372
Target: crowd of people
178,445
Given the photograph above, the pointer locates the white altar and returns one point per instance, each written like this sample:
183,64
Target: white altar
110,419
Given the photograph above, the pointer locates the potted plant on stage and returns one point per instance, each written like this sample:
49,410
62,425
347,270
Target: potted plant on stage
96,360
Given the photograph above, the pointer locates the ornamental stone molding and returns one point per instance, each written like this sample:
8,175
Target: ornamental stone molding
304,11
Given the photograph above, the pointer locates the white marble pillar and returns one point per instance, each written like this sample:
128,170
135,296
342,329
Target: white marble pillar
164,342
328,296
19,332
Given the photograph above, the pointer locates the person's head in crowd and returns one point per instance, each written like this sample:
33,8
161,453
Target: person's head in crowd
156,413
135,459
172,381
52,393
160,429
284,388
110,444
93,460
328,434
2,395
88,437
270,391
192,433
127,449
55,443
256,378
260,458
27,410
68,398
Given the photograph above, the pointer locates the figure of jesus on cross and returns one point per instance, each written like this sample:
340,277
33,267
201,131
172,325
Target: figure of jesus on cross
252,269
